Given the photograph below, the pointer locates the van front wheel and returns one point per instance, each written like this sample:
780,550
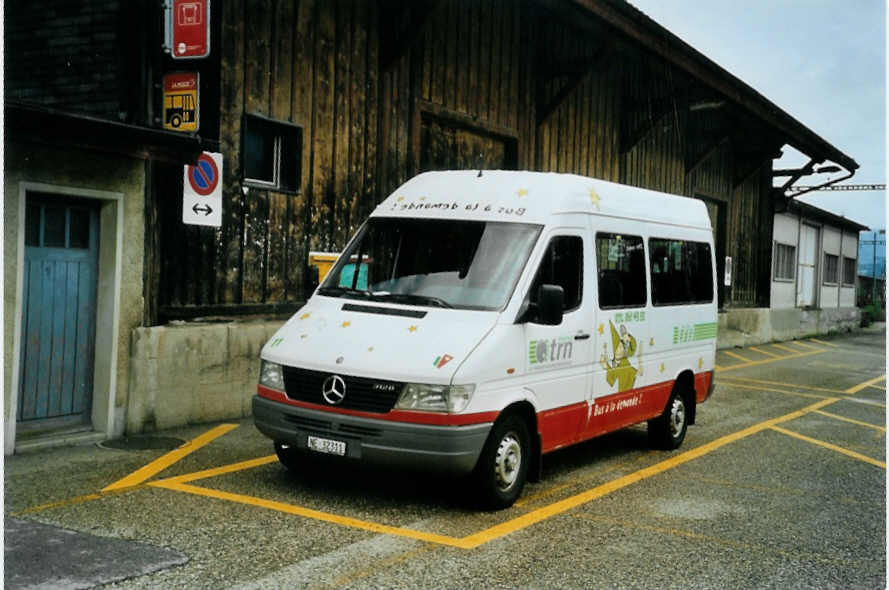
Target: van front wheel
667,431
502,468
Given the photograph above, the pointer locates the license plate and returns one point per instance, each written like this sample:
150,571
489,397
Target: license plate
325,445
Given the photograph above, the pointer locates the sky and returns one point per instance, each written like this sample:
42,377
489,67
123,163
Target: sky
821,61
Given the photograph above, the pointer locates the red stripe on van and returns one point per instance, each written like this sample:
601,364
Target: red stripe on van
412,417
702,385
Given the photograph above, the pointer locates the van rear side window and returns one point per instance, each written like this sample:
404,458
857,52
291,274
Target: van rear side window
681,272
621,261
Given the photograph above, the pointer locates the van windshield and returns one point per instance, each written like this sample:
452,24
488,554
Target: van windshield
442,263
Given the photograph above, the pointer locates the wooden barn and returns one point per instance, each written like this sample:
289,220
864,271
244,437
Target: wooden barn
319,109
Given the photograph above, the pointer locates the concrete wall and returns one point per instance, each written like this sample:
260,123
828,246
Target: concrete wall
746,327
117,184
193,373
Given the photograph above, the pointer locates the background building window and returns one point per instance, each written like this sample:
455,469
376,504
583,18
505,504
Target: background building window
621,261
849,271
785,262
831,262
272,154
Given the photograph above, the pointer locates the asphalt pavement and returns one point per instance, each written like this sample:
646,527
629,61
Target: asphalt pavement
780,484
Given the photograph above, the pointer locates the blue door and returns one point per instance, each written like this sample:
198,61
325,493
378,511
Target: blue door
59,312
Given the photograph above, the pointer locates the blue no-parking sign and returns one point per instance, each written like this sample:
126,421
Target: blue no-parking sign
202,191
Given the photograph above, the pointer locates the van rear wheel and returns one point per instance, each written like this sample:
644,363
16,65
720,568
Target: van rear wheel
502,468
667,431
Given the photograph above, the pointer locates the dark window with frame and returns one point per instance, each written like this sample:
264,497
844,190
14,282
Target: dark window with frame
785,262
681,272
562,265
850,269
831,262
621,271
272,154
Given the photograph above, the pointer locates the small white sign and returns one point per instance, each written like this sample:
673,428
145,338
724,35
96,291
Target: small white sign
727,275
202,191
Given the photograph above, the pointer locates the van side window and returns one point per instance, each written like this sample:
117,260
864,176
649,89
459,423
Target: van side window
621,263
681,272
562,265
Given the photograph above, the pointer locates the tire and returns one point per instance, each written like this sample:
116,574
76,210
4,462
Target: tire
176,121
288,456
502,468
667,431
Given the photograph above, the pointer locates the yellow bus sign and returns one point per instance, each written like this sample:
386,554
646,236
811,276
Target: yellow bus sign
181,105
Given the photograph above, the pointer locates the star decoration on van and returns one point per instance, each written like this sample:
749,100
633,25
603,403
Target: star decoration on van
305,316
412,329
522,192
601,329
663,368
399,199
370,349
346,324
700,362
594,197
422,198
303,336
651,341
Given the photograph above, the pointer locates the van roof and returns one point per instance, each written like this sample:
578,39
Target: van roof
534,197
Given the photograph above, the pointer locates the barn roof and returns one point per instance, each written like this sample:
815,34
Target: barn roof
633,23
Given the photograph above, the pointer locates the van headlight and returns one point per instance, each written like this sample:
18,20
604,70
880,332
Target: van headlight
435,398
271,375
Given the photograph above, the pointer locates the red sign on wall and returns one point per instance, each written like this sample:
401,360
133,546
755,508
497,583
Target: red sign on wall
190,29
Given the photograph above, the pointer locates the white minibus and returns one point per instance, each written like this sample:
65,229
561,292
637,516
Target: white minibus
479,320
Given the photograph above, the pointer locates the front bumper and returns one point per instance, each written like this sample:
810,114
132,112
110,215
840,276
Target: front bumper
443,449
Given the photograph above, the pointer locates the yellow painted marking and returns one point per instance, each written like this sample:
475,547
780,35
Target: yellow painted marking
546,512
158,465
717,367
796,354
806,345
765,352
544,494
736,355
786,348
832,447
349,580
881,387
771,389
217,471
851,420
824,343
314,514
73,501
810,387
868,383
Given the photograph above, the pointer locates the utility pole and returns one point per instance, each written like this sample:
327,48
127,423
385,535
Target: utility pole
874,243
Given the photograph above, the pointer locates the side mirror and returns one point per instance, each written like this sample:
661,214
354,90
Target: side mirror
311,282
550,303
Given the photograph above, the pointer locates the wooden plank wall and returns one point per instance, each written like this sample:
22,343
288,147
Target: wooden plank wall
317,64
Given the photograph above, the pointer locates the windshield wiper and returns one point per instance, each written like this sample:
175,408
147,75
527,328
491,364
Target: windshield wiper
343,291
413,299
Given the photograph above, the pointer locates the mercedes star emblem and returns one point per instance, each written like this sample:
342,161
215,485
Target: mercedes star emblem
334,389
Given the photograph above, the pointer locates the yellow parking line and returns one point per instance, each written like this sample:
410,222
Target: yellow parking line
543,494
314,514
811,387
546,512
832,447
158,465
770,389
824,343
805,345
881,387
860,386
786,348
217,471
851,420
796,354
765,352
735,355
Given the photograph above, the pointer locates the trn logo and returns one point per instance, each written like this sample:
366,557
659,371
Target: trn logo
548,352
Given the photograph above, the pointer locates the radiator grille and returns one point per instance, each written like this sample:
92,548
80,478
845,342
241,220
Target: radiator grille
362,393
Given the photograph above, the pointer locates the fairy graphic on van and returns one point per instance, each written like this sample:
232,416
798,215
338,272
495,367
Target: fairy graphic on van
618,368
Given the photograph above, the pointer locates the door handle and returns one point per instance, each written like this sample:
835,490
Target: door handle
581,336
